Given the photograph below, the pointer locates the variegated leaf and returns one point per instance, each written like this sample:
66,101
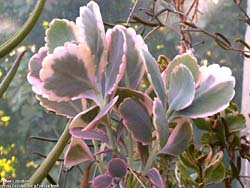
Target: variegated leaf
77,152
94,134
154,75
179,138
116,58
137,120
186,59
214,93
160,122
181,89
69,109
102,181
59,32
35,65
155,178
68,74
92,33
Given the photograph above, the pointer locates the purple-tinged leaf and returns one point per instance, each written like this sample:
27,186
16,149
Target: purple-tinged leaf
69,109
186,59
92,34
83,118
94,134
101,114
181,88
154,75
59,32
143,153
160,122
155,178
117,168
134,67
68,74
179,138
77,152
139,96
116,58
214,93
137,121
102,181
35,65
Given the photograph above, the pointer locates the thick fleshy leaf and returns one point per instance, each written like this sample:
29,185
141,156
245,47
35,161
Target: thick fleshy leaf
69,109
95,134
68,74
215,171
143,151
137,121
117,168
214,93
124,92
77,152
235,123
179,138
80,121
116,58
59,32
181,89
102,181
155,178
134,67
154,75
92,33
186,59
160,122
35,65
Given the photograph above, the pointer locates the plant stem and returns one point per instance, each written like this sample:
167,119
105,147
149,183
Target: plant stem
110,134
98,157
152,156
130,151
10,44
50,160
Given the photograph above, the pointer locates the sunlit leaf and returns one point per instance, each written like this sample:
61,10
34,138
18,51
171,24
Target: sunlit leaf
155,178
154,75
134,67
117,168
59,32
116,58
77,152
179,138
214,93
92,33
35,65
69,109
186,59
68,74
139,123
160,122
181,88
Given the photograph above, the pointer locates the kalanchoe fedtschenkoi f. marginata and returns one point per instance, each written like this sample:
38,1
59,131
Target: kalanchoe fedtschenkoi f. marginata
81,62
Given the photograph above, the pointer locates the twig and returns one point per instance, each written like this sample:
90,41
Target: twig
131,12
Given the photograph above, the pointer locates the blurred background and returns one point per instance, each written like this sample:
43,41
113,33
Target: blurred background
21,116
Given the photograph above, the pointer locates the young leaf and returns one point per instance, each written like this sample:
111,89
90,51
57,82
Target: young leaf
68,74
214,93
160,122
235,123
92,34
154,75
77,152
134,67
102,181
69,109
186,59
181,88
116,58
179,138
155,178
117,168
35,65
59,32
139,123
